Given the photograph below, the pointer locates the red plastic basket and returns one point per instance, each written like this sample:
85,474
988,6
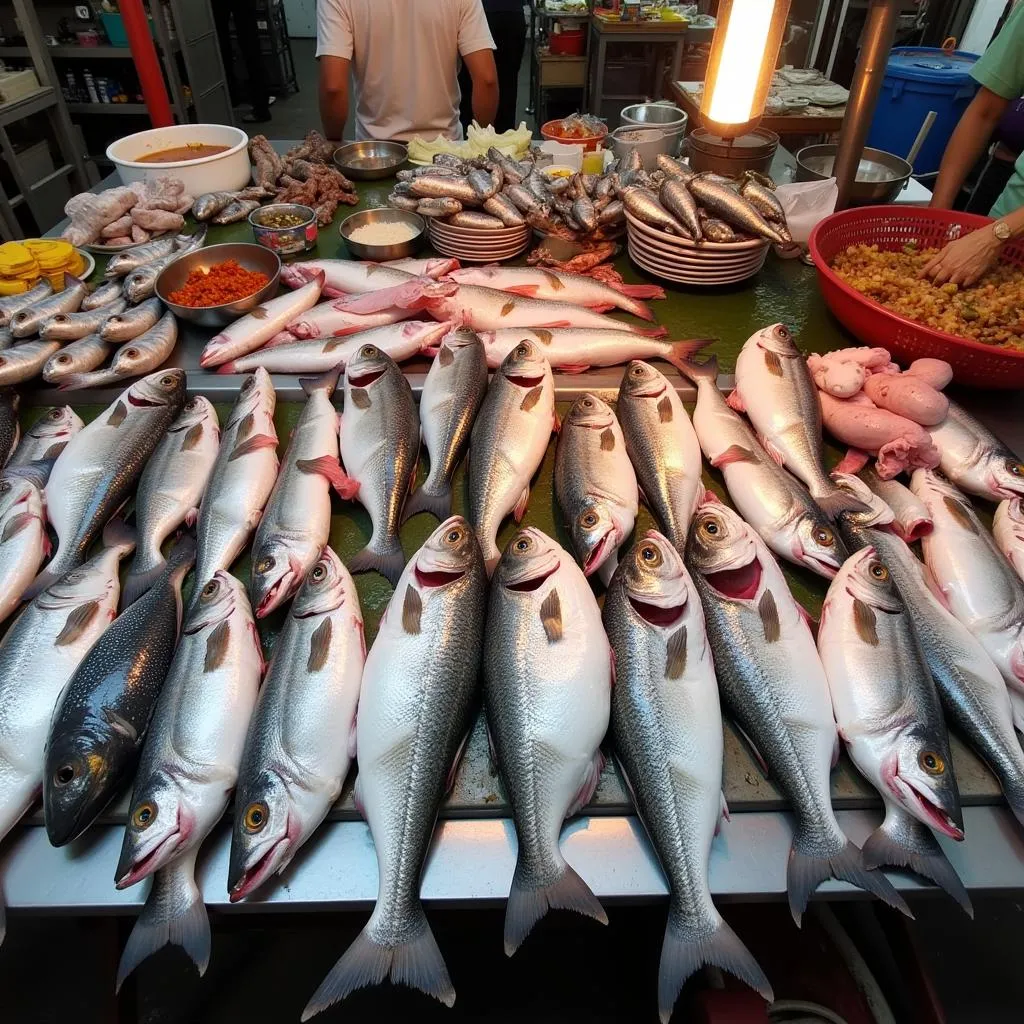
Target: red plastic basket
892,227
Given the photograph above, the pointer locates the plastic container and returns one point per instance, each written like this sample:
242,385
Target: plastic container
892,227
113,25
919,79
567,43
552,130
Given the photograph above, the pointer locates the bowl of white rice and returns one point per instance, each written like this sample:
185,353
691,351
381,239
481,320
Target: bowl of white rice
383,234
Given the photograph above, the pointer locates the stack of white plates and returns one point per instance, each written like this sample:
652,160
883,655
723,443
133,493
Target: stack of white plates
475,245
679,259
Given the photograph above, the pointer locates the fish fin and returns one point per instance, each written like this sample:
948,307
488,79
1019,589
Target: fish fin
319,646
191,516
519,509
330,468
865,622
528,902
574,367
229,367
607,307
591,777
838,501
16,524
174,914
527,290
734,453
417,963
192,437
852,462
930,862
681,351
325,382
553,325
78,618
412,609
438,505
252,444
688,946
138,582
638,291
404,296
551,617
768,611
806,872
388,563
118,534
735,402
675,654
217,646
771,450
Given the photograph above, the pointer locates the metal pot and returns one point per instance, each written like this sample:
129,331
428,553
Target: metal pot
880,175
666,116
753,151
648,142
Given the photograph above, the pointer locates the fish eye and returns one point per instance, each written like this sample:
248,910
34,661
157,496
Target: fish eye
522,544
248,384
587,403
711,527
55,414
64,774
931,762
211,588
63,359
650,555
637,371
522,351
588,520
368,352
133,353
192,405
144,815
825,537
783,332
256,816
1014,468
454,535
318,573
265,564
167,381
878,571
5,486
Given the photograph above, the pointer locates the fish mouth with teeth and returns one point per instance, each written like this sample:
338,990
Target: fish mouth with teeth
266,864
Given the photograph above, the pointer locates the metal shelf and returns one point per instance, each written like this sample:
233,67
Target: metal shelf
108,108
76,52
43,98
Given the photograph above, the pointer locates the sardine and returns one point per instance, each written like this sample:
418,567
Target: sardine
645,206
188,767
140,356
975,459
10,427
419,689
23,540
662,446
236,210
29,320
399,202
673,168
430,186
676,198
476,220
509,168
508,443
1008,531
380,439
667,727
774,388
132,322
97,470
523,199
774,503
584,213
206,205
342,277
450,160
241,480
47,437
302,734
123,263
170,490
505,210
910,517
442,206
485,183
435,169
612,212
24,361
725,202
764,201
595,484
79,357
547,671
774,685
72,326
11,304
100,721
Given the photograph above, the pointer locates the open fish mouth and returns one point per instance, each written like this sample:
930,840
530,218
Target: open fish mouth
657,615
1001,488
253,877
600,551
936,816
524,382
535,582
826,566
656,393
279,590
739,584
142,403
364,380
158,856
430,578
915,531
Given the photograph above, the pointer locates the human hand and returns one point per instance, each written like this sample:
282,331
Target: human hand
962,262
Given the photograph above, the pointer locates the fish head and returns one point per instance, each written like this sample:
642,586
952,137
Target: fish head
328,585
878,512
525,365
641,380
864,578
431,292
722,548
450,553
276,574
460,338
530,558
1005,476
778,339
595,533
656,582
256,394
163,388
215,603
267,831
197,410
815,543
590,412
58,422
365,368
159,823
18,494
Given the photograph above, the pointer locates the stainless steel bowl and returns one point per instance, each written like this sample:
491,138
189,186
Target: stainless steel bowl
666,116
880,175
248,254
384,215
285,241
366,161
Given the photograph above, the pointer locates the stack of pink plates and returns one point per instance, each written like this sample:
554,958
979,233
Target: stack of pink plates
476,245
679,259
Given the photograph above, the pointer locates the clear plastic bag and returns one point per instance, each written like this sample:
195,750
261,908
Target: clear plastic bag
806,203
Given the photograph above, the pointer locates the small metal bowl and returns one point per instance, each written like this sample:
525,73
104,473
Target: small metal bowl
384,215
372,159
285,241
248,254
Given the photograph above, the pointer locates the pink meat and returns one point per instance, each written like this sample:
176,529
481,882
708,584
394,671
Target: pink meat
842,373
909,396
936,372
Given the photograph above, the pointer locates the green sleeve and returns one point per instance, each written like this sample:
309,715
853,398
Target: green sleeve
1001,67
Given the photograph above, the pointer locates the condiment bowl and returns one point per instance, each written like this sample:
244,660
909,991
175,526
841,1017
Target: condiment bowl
248,254
382,253
371,159
284,241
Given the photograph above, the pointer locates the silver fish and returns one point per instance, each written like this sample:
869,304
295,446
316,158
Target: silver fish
47,437
439,170
137,256
430,187
612,213
30,320
11,304
78,357
523,199
773,684
450,160
71,326
102,295
142,355
400,202
716,230
725,202
206,205
443,206
645,206
667,726
502,207
975,459
764,201
584,214
188,768
302,734
485,183
910,517
25,361
170,490
673,168
132,322
140,282
23,540
476,219
595,484
380,438
510,168
419,689
236,210
538,185
547,671
676,198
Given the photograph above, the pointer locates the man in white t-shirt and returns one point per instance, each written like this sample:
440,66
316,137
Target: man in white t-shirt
404,59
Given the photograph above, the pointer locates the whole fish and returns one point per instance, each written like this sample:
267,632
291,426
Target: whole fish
910,517
612,213
774,685
774,388
486,308
774,503
477,220
418,691
26,360
974,459
442,206
241,480
170,490
505,210
30,319
673,168
79,356
418,172
541,283
102,295
343,276
645,206
584,213
209,203
47,437
667,727
11,304
188,768
452,393
662,446
132,322
432,186
23,540
725,202
72,326
252,330
508,442
123,263
236,210
397,201
435,266
886,705
297,520
327,320
676,198
765,202
547,671
302,734
977,583
509,167
140,356
38,655
1008,531
98,469
140,283
380,440
100,721
523,198
595,484
10,428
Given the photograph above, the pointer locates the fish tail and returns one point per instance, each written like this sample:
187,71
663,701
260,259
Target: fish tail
690,945
679,356
326,382
887,846
529,900
140,578
638,291
390,562
174,914
834,501
650,332
437,502
417,963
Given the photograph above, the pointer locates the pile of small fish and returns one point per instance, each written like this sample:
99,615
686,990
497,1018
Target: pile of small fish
228,207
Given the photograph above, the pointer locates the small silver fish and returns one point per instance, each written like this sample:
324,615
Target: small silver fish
79,357
140,283
443,206
72,326
143,355
237,209
584,214
400,202
763,200
132,322
485,183
46,438
103,295
476,219
139,255
10,304
612,212
727,203
28,321
716,230
673,168
210,203
645,206
437,170
505,210
522,198
676,198
431,187
23,362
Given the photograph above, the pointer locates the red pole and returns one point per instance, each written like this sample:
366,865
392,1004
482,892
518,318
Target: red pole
147,64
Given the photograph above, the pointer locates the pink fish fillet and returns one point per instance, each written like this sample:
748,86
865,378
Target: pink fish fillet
327,320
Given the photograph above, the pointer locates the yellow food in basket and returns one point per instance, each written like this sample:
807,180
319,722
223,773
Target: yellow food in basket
22,264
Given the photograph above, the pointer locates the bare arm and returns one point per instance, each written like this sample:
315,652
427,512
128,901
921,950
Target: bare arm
966,145
334,95
484,74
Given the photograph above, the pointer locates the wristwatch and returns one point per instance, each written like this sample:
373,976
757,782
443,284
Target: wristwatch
1001,230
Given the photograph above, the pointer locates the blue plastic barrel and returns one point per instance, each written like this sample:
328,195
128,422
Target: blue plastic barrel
919,79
